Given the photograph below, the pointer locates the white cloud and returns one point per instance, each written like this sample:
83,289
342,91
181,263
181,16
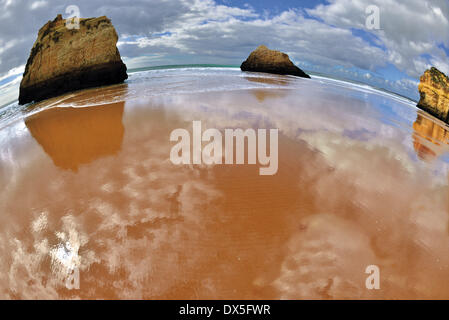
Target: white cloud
230,37
38,4
409,29
13,72
202,31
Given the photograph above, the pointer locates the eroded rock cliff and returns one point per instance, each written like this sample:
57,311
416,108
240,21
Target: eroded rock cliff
64,59
434,94
271,61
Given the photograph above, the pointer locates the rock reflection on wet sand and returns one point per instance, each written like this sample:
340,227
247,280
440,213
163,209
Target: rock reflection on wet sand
347,194
431,137
75,136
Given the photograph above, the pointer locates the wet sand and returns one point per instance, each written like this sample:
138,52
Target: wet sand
93,187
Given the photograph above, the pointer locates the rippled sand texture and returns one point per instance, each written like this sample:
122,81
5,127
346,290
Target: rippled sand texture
92,187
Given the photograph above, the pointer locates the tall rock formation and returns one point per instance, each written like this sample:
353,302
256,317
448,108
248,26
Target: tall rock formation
270,61
64,59
434,94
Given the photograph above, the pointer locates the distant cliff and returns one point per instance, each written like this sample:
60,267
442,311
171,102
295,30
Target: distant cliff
64,59
265,60
434,94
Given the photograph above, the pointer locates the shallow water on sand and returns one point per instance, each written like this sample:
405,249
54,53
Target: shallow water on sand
86,182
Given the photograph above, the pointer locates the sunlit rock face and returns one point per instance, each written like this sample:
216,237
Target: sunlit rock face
65,59
271,61
434,93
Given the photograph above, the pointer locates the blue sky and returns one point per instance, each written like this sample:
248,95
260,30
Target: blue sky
389,71
328,37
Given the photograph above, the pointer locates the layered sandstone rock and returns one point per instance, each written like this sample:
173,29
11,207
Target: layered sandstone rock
434,94
265,60
64,59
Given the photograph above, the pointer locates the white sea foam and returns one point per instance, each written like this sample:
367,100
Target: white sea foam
192,80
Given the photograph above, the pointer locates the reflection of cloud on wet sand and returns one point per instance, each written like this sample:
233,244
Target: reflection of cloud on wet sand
366,186
401,232
37,268
325,259
139,210
140,227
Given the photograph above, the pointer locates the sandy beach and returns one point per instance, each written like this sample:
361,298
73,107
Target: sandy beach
86,182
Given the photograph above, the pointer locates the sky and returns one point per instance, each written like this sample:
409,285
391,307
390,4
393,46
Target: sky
324,36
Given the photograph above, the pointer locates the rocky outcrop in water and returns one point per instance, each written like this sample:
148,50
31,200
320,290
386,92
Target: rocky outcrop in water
434,94
270,61
64,59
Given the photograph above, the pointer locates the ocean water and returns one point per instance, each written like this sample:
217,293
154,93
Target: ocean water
86,184
151,81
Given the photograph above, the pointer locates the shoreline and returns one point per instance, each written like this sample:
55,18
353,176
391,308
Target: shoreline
149,89
219,66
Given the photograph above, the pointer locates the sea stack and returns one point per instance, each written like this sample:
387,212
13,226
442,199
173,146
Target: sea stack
271,61
70,57
434,94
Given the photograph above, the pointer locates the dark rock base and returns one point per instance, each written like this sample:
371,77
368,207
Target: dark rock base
431,110
294,71
441,116
99,75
